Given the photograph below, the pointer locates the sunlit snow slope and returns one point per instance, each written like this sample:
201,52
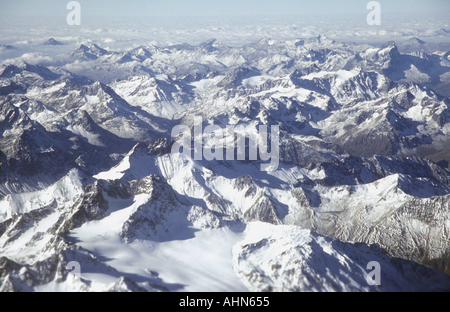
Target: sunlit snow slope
93,196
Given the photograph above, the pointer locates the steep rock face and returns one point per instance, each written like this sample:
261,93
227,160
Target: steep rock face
204,218
381,213
160,97
418,229
354,199
418,67
90,52
157,215
92,205
13,228
26,145
59,121
39,254
56,274
355,170
290,259
7,86
17,278
360,132
263,210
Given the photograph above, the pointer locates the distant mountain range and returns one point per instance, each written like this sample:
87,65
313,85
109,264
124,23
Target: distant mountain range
88,175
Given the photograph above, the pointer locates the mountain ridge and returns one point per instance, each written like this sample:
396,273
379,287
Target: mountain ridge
88,173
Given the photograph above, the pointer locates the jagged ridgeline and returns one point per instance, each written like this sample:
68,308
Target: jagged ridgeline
89,176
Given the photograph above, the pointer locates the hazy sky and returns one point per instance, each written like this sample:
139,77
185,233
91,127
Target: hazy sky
119,24
217,7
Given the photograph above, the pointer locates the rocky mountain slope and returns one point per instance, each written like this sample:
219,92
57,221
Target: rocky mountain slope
94,198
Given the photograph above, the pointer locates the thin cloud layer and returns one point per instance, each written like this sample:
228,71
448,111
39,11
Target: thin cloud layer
34,58
120,34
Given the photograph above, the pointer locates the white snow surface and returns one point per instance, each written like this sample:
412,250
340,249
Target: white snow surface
288,258
358,140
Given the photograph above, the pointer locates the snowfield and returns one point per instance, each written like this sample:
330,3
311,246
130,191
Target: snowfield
93,199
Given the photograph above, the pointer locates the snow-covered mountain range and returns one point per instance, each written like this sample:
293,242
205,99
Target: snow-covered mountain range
89,177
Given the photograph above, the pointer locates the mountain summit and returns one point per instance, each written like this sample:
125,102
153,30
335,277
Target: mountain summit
98,193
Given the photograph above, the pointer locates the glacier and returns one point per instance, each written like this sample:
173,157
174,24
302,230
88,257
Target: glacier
88,175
